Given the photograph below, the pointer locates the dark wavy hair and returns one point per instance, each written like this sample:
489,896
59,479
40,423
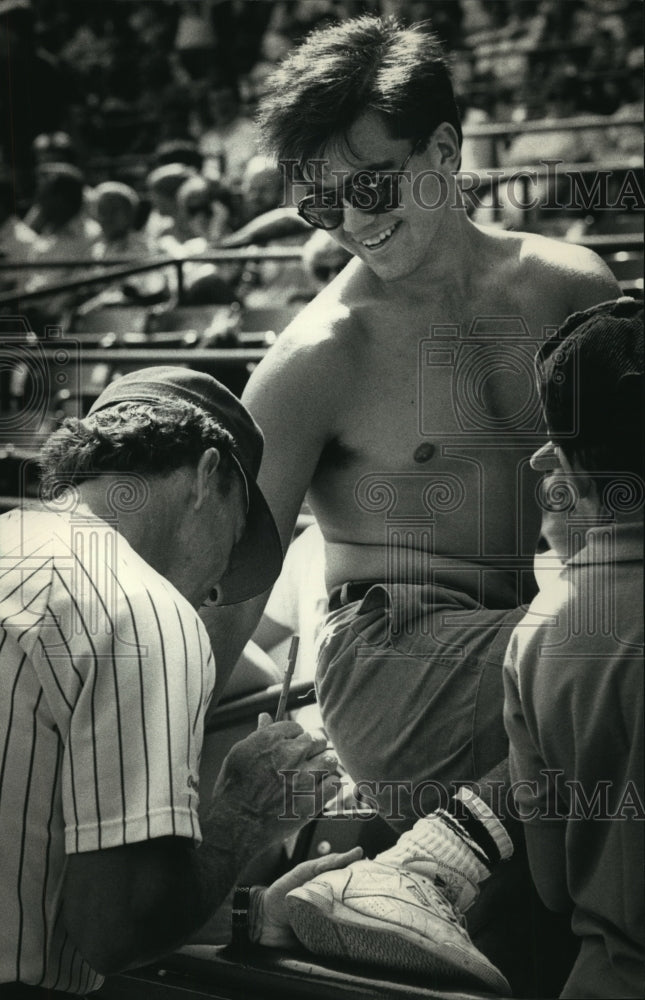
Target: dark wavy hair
592,388
342,71
134,437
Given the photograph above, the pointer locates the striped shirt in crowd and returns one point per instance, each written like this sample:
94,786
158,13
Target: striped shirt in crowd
106,672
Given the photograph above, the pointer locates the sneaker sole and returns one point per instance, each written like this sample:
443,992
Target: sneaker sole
332,929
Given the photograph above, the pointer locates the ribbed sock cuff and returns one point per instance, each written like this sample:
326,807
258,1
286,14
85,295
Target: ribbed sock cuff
440,842
481,824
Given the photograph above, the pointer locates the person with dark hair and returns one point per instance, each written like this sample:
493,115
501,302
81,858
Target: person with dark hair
66,233
574,669
402,401
150,502
573,710
178,151
66,230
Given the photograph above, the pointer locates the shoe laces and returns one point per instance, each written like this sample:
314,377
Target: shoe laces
446,904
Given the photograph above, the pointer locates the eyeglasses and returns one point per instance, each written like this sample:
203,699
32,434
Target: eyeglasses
369,191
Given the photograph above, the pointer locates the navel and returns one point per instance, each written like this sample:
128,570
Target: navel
424,452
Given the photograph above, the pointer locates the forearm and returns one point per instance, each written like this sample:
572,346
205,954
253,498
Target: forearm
167,889
131,904
231,838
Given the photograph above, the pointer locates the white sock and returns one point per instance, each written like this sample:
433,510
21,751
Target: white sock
439,848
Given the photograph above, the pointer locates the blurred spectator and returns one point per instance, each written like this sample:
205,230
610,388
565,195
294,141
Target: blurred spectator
261,187
267,209
67,232
179,151
200,216
163,184
232,138
199,223
116,207
16,238
48,149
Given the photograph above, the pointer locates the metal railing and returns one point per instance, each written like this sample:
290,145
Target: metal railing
118,273
601,243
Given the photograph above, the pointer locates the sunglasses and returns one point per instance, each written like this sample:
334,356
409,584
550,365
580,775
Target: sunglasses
370,191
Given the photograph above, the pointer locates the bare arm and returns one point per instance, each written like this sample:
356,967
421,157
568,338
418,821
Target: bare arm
130,904
254,671
277,223
293,396
229,629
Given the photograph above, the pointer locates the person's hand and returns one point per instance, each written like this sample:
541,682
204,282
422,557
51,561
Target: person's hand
275,780
271,922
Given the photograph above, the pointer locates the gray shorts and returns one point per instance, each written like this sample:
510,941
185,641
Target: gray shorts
409,683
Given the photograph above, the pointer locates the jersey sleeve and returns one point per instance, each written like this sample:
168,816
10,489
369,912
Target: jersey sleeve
139,673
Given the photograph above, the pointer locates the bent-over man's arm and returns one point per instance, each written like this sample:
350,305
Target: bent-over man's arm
128,905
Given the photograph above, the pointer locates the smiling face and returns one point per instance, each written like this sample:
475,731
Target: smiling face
394,243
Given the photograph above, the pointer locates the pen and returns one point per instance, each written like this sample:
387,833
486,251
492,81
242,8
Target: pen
288,674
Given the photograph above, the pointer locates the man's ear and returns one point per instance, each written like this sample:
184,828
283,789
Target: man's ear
446,141
583,482
206,476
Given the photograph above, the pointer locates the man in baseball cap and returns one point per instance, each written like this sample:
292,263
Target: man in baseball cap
256,558
105,859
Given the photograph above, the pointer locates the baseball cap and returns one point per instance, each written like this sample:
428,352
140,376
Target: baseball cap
256,559
590,375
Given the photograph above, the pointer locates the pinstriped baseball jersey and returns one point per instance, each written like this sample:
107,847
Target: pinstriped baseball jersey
106,672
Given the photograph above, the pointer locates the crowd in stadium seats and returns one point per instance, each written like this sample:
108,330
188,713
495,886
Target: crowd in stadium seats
122,78
147,143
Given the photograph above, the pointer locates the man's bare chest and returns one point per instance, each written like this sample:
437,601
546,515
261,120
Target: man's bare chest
442,382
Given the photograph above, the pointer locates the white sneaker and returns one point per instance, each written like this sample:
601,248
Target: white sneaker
392,918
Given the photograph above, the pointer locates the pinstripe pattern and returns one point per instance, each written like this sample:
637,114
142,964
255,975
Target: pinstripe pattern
105,672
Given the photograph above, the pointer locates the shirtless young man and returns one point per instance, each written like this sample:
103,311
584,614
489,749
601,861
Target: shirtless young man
401,401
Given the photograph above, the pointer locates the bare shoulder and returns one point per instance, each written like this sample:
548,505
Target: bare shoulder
576,276
315,353
299,394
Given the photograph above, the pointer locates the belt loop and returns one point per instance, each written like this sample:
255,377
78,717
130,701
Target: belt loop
344,594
